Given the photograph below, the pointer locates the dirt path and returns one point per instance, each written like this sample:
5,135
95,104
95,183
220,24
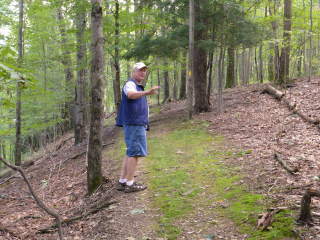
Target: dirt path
251,121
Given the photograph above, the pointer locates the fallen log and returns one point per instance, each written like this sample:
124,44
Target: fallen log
292,106
290,170
305,117
274,92
69,220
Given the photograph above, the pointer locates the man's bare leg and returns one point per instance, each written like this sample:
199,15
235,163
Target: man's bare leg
124,168
131,167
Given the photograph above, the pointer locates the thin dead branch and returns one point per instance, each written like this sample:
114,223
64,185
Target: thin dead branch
40,203
83,215
290,170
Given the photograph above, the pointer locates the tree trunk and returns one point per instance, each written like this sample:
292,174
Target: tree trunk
236,68
200,72
175,81
299,65
243,67
285,51
94,156
310,60
81,69
166,82
19,91
260,64
190,63
230,82
210,76
67,62
158,77
183,76
116,82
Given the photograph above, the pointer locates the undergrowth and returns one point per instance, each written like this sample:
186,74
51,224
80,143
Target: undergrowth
190,169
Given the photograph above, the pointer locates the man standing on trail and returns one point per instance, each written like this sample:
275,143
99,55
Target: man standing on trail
133,117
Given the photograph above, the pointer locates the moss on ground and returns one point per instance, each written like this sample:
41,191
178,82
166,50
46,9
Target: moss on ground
185,161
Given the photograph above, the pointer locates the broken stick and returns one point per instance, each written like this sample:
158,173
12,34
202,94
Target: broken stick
69,220
290,170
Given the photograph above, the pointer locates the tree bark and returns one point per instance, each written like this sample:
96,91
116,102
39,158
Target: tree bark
285,51
175,82
183,76
19,92
67,62
310,57
230,82
200,70
116,81
190,63
166,82
94,156
260,64
81,69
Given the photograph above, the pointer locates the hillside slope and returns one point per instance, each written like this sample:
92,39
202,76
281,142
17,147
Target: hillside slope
253,125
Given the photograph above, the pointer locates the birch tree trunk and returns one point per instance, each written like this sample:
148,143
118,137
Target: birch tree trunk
94,156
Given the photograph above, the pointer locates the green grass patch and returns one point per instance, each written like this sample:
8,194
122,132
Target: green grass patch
187,162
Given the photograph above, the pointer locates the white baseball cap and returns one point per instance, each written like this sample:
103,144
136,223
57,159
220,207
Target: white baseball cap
139,65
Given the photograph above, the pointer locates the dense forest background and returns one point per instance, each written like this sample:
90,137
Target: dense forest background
45,57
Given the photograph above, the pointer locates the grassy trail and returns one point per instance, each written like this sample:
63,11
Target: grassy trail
197,190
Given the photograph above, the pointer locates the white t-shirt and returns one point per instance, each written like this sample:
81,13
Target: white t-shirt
129,86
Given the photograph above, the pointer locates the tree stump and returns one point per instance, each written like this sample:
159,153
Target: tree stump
305,213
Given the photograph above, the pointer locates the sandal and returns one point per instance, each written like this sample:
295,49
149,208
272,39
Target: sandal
135,187
121,186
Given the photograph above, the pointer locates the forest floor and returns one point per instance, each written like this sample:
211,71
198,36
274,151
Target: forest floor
254,127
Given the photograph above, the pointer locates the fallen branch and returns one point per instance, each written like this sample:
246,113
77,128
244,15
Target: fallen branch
69,220
299,187
40,203
23,165
267,218
292,171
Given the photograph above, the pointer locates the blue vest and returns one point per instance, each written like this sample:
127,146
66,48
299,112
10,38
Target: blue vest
133,111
